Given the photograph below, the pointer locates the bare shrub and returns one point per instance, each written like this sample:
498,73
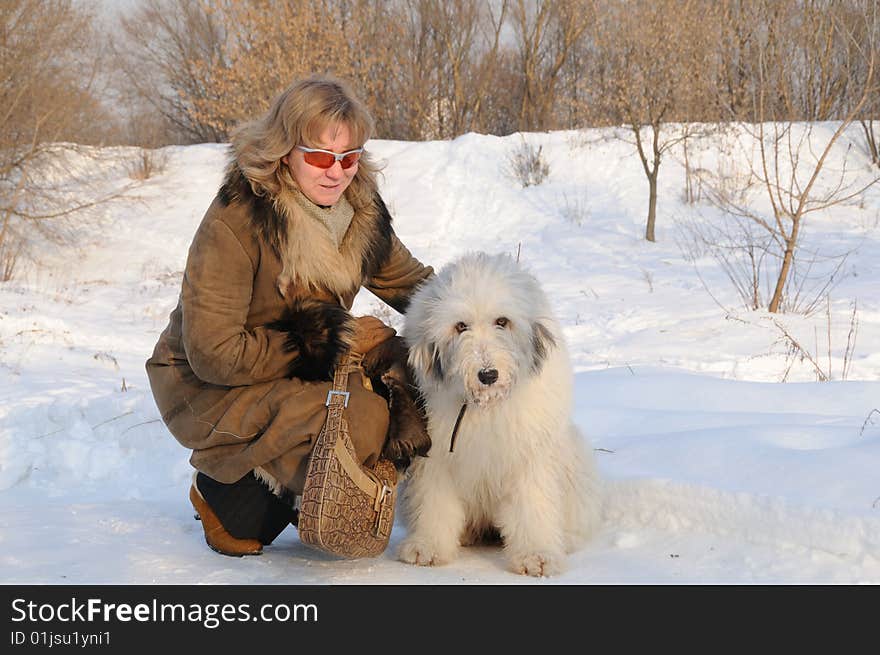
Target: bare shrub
749,258
147,163
729,184
692,192
526,165
574,208
724,173
739,249
822,366
868,420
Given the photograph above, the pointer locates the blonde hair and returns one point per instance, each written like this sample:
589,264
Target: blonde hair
299,116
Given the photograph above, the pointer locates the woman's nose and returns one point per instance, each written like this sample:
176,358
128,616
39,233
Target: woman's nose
335,171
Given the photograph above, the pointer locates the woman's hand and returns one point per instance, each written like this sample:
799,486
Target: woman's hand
369,332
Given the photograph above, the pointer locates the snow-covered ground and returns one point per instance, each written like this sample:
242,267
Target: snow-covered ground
715,471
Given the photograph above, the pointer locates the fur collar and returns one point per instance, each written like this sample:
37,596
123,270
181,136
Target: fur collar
310,260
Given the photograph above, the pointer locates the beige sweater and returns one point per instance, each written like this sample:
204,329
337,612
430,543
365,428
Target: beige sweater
336,218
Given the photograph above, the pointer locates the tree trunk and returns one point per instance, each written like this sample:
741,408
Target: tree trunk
688,179
652,206
650,173
787,259
871,141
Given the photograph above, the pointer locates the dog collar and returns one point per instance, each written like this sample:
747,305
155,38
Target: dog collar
455,429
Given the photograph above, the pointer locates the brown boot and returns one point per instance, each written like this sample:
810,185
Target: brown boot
216,535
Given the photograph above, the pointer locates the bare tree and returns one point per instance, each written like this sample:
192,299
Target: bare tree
872,140
546,36
377,60
266,45
869,117
791,161
737,31
823,60
449,56
158,52
218,62
649,55
48,102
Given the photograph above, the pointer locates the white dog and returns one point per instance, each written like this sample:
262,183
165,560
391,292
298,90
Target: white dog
483,342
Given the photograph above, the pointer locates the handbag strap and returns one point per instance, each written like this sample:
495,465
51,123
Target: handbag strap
337,401
337,396
349,363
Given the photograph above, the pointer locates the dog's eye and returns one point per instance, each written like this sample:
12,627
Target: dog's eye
502,321
460,327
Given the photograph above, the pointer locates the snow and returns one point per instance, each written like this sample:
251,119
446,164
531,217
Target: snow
714,470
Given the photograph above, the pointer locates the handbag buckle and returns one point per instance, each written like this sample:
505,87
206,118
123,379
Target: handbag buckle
381,497
334,392
381,507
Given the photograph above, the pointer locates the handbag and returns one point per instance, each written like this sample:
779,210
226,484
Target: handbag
347,509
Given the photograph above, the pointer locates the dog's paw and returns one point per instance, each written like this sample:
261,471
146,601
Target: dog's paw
421,553
402,449
538,564
407,432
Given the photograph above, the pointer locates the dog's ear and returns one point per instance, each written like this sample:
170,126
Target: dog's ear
425,357
542,342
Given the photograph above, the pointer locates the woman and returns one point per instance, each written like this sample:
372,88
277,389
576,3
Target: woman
242,371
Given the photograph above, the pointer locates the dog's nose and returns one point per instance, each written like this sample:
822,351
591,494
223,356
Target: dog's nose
488,376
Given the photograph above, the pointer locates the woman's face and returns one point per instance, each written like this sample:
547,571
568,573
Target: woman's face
324,186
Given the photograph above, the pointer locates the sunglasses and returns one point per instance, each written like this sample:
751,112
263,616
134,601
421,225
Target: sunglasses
326,159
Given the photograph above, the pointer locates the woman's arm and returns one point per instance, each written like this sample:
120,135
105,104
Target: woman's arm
399,276
215,299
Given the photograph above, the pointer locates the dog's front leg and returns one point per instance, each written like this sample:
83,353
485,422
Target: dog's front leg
530,520
435,515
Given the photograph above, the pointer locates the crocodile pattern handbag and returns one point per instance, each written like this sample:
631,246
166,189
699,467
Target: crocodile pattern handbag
347,509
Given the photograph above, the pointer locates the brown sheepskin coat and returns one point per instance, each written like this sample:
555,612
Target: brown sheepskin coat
242,371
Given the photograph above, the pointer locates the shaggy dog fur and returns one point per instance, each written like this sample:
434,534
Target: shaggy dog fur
481,334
